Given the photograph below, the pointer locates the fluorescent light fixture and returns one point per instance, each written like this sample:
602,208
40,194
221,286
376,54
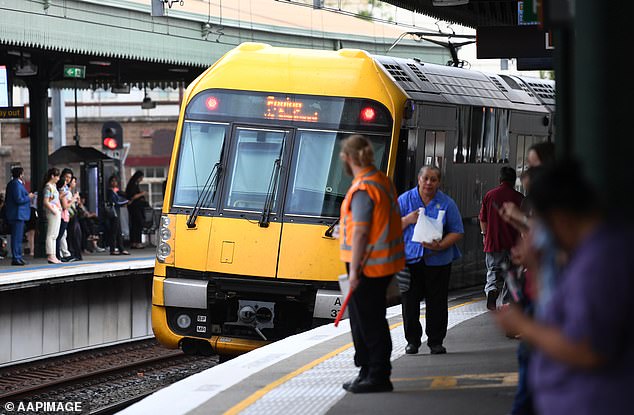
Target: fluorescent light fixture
100,63
147,103
26,69
120,88
443,3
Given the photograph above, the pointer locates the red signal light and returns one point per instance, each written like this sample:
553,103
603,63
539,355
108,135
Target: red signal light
368,114
211,103
110,142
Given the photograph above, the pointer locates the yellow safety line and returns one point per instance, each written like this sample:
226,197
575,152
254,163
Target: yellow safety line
250,400
257,395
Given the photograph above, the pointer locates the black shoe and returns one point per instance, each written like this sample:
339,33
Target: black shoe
492,297
64,259
370,386
437,349
347,385
72,259
411,348
18,262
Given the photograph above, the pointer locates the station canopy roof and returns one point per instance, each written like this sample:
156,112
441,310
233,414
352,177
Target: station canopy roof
473,14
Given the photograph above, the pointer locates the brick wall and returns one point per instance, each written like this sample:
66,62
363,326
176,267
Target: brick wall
137,132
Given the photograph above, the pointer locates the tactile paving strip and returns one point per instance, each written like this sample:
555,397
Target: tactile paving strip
318,389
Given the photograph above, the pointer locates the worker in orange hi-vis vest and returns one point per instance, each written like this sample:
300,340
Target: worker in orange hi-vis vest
371,245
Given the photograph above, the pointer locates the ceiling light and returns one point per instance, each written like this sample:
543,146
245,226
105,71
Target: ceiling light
147,103
449,2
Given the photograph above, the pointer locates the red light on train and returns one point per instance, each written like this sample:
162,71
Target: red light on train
368,114
211,103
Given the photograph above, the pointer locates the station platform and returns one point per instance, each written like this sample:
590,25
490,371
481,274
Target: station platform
49,310
304,373
93,265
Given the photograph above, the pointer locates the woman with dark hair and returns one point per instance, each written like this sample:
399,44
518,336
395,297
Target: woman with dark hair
113,213
136,206
53,209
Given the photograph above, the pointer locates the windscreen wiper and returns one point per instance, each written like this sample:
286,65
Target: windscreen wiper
270,195
209,189
331,229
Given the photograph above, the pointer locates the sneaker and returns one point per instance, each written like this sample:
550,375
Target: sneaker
492,297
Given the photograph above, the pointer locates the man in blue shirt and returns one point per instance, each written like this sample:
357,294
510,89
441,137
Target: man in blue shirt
429,264
18,211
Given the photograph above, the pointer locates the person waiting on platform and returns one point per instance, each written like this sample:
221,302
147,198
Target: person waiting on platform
114,201
53,209
498,236
73,232
371,245
89,222
66,200
581,334
136,208
429,264
17,212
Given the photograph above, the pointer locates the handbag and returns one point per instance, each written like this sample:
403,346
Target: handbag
110,211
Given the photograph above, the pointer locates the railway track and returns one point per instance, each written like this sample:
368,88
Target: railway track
105,380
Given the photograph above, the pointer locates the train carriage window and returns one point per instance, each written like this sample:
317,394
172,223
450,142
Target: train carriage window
483,135
461,151
318,183
253,169
502,151
435,148
488,136
200,148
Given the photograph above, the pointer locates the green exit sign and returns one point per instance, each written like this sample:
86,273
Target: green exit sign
74,71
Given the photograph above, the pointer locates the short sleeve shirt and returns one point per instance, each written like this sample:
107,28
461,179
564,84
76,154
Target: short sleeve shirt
592,302
51,193
362,207
452,223
500,236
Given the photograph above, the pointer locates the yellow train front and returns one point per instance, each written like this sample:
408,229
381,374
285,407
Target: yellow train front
246,253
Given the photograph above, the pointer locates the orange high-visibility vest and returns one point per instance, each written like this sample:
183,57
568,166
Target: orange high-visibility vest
385,244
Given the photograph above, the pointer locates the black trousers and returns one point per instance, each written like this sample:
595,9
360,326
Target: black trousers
430,283
370,331
114,234
136,222
74,237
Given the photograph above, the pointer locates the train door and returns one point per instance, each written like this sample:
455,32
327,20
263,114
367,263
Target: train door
317,184
246,240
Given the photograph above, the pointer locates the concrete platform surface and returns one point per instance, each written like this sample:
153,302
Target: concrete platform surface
303,374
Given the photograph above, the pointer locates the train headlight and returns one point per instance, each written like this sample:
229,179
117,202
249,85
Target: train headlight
165,221
164,250
183,321
165,234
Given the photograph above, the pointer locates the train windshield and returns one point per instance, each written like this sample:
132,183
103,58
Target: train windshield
253,170
318,183
200,149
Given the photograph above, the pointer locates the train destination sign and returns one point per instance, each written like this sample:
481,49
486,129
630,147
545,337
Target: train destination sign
251,106
11,112
287,109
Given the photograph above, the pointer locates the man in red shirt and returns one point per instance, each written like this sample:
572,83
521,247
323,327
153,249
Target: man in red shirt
499,237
